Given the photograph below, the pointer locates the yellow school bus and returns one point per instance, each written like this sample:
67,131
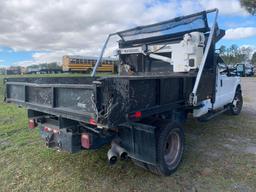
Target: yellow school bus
85,64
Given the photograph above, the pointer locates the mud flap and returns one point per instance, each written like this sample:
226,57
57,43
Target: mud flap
139,140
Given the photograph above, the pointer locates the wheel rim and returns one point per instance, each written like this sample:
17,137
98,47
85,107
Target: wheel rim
172,148
236,103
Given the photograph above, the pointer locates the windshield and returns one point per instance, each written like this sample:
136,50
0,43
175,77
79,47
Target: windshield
240,67
174,26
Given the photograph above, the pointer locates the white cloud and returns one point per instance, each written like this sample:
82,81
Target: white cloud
235,24
240,33
77,24
226,7
190,6
53,28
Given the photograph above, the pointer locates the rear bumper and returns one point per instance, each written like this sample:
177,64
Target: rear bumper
71,139
61,139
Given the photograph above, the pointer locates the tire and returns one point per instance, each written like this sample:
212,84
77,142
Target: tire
237,103
170,147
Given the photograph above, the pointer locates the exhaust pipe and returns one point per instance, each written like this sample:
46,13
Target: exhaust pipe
112,156
116,151
122,153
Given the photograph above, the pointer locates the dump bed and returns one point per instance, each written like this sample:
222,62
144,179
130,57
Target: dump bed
108,101
70,97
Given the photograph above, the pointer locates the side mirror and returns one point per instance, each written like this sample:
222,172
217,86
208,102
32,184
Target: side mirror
228,71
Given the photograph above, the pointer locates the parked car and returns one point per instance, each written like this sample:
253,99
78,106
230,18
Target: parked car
244,70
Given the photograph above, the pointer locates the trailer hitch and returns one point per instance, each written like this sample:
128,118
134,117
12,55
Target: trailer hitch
49,139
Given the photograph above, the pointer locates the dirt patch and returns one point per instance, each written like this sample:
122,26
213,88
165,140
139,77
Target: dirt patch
249,94
4,143
251,149
236,187
206,171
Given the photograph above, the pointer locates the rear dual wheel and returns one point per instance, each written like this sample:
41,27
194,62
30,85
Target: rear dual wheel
170,146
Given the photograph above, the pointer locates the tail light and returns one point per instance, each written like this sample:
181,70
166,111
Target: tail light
85,140
47,129
136,115
92,121
56,131
32,123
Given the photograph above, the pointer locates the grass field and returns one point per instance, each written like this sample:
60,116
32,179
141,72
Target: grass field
220,155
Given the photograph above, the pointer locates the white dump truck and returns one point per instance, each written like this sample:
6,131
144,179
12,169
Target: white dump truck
167,70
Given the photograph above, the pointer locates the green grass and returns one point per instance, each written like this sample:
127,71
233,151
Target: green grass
219,146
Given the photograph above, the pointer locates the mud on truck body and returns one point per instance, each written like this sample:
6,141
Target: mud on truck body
167,70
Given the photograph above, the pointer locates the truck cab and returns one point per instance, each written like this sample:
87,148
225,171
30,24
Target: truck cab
227,84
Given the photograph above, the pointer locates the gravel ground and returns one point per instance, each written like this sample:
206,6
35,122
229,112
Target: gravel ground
249,94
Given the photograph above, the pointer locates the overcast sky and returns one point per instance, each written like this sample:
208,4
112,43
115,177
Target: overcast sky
34,31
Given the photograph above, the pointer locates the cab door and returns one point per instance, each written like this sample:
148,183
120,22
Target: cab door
225,86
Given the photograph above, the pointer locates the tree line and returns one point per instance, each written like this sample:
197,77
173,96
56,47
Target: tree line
52,65
234,54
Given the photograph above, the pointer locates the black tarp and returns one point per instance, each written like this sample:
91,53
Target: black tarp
177,25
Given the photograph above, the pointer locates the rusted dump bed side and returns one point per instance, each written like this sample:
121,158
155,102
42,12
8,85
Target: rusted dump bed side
66,97
147,95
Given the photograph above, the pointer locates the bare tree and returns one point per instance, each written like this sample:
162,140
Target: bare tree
253,60
234,54
249,5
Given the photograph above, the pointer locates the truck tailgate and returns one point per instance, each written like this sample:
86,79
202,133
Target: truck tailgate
74,101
